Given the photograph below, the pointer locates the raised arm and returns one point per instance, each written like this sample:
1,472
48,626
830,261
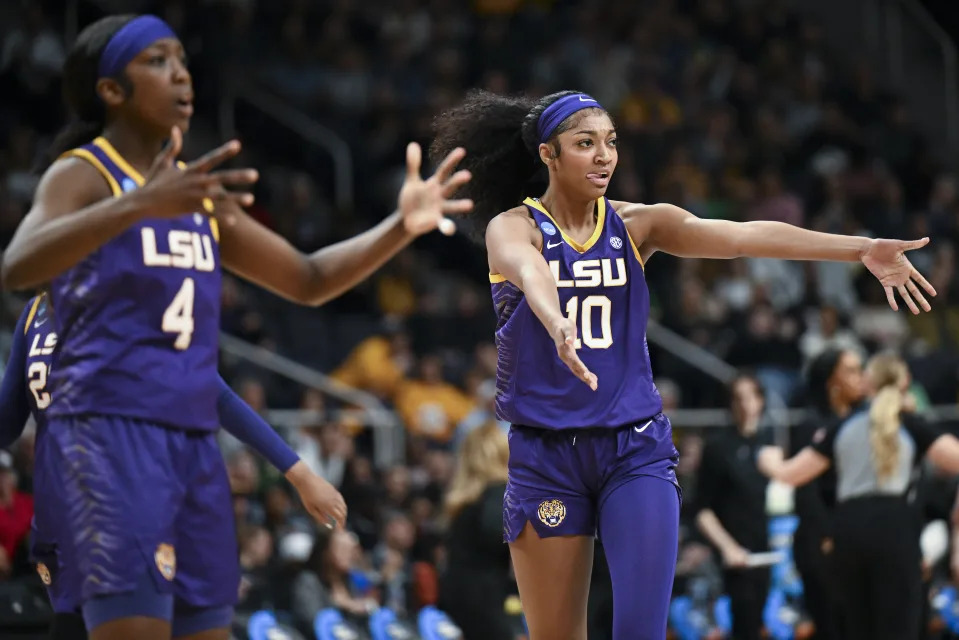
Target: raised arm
511,246
74,212
320,498
263,257
14,406
668,228
803,467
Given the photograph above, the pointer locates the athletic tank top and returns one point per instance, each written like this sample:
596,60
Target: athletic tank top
602,288
138,319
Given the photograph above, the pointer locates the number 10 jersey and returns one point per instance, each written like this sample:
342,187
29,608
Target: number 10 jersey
602,289
138,319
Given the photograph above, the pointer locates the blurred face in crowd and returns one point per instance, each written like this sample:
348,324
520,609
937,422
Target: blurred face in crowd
341,551
747,401
400,533
846,384
397,483
587,155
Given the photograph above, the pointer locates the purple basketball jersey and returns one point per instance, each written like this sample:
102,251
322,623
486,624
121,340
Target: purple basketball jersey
138,320
603,290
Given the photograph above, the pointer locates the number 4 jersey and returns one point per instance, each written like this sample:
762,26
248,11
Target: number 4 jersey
602,289
138,319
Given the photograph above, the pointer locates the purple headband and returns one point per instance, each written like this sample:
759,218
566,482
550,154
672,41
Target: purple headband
130,40
562,109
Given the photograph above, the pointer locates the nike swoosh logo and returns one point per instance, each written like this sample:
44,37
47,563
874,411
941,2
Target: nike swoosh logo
642,428
582,99
550,245
37,324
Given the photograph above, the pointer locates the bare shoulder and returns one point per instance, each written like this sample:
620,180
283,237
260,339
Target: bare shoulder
513,218
71,183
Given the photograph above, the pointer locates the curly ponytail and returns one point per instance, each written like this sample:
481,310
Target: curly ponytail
500,138
888,373
80,75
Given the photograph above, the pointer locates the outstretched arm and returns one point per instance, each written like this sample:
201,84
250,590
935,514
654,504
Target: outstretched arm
14,407
803,467
320,498
513,255
263,257
668,228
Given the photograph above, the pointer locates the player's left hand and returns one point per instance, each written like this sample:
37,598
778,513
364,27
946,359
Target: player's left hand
319,497
886,259
424,203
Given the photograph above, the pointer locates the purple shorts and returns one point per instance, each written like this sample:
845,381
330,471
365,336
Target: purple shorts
559,479
137,500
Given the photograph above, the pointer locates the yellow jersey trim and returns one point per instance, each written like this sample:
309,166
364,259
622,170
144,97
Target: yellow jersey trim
118,160
495,277
95,161
33,312
597,232
215,229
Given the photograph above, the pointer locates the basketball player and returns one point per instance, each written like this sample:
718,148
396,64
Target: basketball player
134,279
24,392
590,451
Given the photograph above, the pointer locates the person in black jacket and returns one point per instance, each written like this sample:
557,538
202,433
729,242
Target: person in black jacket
835,387
732,506
476,582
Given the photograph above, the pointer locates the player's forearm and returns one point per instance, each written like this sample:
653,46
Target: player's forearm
768,239
14,408
715,532
238,418
340,267
42,250
539,288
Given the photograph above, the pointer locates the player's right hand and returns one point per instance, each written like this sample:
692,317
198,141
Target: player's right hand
171,191
320,498
564,336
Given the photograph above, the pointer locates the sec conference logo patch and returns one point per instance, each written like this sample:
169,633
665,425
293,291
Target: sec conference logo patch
44,574
551,512
165,558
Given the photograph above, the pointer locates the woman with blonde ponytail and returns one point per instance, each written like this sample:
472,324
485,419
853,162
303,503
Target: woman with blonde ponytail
874,451
476,582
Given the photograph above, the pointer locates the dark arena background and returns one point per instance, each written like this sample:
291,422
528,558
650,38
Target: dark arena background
834,115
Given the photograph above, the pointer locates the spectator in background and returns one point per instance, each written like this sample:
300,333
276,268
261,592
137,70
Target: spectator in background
16,511
391,559
256,552
827,331
379,364
476,581
731,494
834,389
327,581
429,406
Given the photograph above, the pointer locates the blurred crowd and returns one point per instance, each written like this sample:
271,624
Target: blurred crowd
738,110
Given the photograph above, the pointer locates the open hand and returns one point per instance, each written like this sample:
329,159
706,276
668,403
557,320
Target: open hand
564,336
886,259
319,497
423,203
173,191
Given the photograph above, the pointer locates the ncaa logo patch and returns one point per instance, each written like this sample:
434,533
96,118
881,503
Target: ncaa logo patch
44,574
548,228
616,242
165,558
127,184
551,512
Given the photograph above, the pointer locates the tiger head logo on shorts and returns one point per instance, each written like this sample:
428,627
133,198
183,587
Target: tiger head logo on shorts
44,573
551,512
165,558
